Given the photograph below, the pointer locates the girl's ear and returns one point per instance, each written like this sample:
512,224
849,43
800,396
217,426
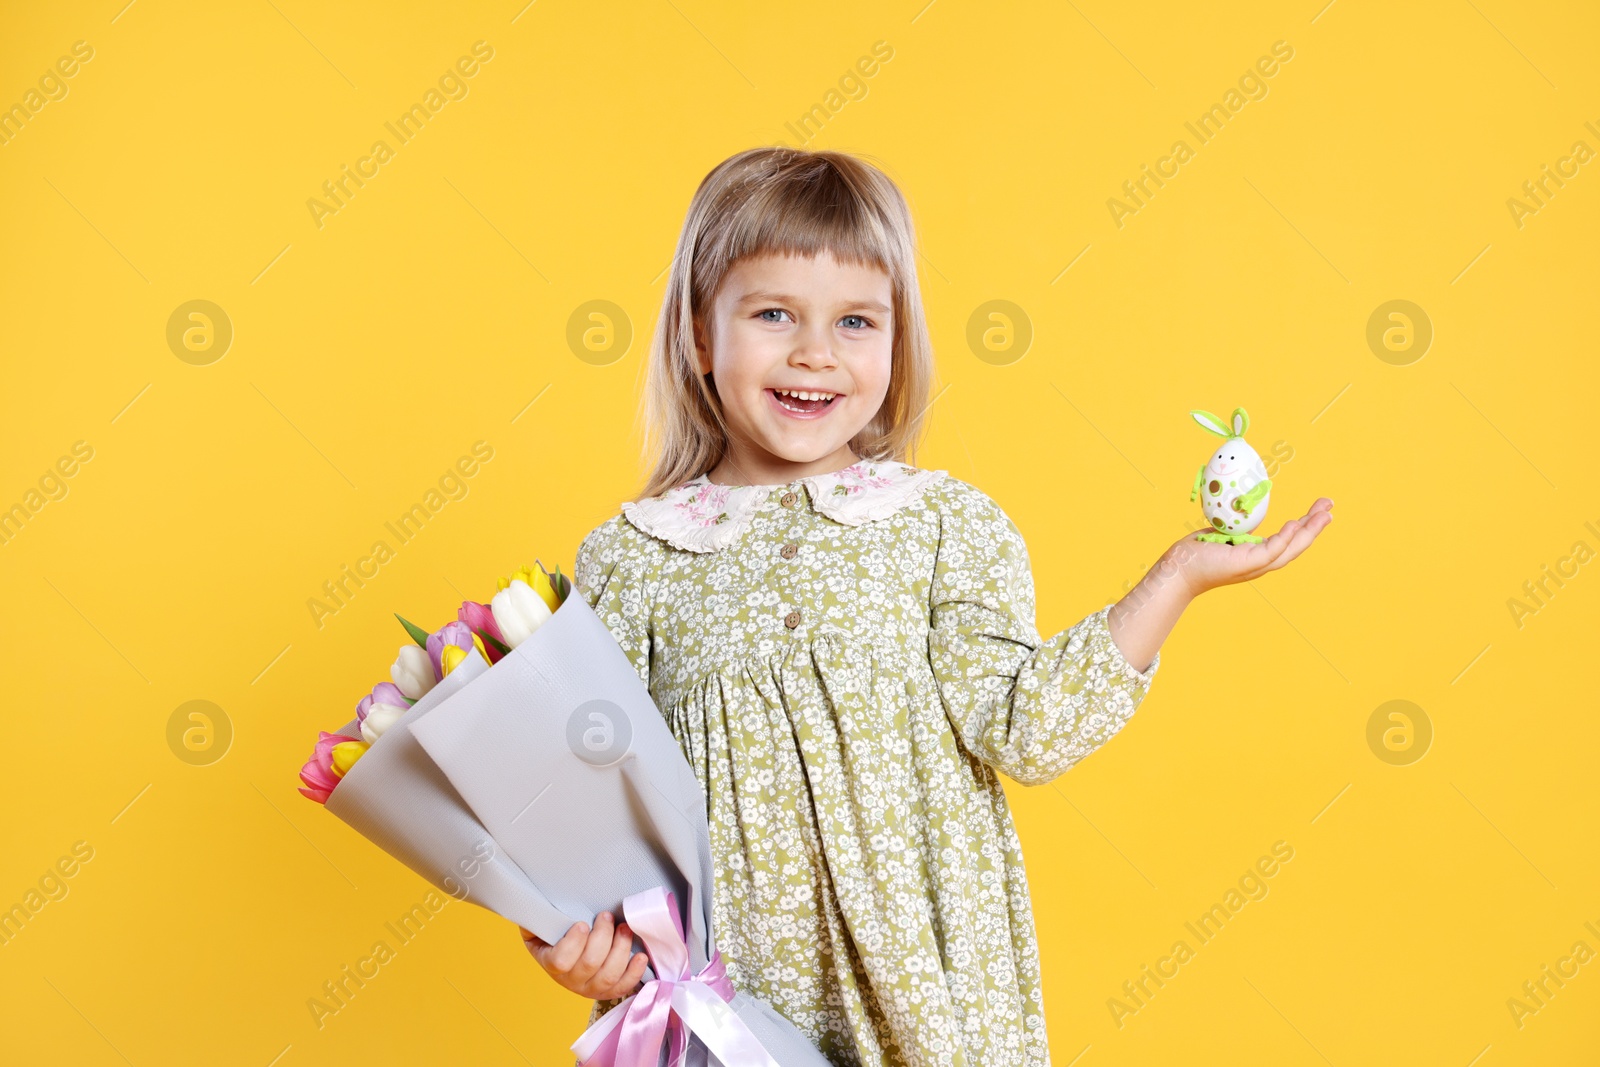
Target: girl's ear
1210,423
1241,422
701,352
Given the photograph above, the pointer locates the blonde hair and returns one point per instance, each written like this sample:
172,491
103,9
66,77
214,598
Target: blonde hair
788,201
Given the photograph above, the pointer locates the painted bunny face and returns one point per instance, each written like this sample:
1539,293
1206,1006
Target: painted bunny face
1234,457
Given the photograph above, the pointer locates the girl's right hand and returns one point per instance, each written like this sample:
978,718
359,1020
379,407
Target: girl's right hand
592,963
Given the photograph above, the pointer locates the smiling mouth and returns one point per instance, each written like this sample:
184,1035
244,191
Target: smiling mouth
802,401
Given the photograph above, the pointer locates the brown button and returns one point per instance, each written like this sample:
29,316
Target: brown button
788,500
788,550
792,619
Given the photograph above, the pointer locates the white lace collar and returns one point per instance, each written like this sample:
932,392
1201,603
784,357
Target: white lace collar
702,516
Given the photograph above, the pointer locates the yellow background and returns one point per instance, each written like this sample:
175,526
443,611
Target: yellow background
369,353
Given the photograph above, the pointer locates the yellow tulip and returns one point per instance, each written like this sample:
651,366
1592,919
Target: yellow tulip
547,592
452,655
345,754
522,572
536,580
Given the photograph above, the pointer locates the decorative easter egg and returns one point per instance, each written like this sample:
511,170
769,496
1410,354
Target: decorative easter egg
1232,486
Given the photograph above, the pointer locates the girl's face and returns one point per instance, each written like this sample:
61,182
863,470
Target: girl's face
809,325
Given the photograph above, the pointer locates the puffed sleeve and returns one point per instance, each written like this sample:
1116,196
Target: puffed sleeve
607,573
1029,708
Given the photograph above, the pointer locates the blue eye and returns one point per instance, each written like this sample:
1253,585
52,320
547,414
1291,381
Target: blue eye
780,311
864,322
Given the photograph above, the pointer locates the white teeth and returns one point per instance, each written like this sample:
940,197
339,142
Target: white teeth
800,394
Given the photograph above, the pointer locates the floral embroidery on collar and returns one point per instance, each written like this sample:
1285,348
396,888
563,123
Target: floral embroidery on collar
702,516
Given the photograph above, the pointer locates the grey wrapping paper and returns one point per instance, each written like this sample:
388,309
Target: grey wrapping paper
397,798
557,765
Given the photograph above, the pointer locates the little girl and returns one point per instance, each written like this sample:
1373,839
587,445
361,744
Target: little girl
844,643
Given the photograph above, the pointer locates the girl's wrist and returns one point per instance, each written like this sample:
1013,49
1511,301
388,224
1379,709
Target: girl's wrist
1140,622
1168,579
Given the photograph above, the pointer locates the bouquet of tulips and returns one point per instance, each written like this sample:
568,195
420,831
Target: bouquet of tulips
516,759
524,602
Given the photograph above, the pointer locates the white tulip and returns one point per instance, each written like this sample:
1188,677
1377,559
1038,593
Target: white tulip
518,611
379,718
412,671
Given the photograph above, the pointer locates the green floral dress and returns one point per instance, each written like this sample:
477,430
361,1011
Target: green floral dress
849,662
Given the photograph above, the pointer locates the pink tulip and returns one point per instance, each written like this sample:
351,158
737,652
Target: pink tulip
382,693
480,619
318,771
451,633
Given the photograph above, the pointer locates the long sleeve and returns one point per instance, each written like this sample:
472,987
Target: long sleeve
606,574
1029,708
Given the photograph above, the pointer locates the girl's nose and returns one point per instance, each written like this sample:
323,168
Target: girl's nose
815,354
813,348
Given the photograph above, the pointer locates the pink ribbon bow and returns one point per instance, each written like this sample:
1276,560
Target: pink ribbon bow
671,1006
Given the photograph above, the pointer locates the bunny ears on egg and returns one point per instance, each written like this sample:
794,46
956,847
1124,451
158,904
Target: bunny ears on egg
1211,424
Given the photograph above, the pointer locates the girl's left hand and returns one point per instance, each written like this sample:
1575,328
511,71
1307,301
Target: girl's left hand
1204,565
